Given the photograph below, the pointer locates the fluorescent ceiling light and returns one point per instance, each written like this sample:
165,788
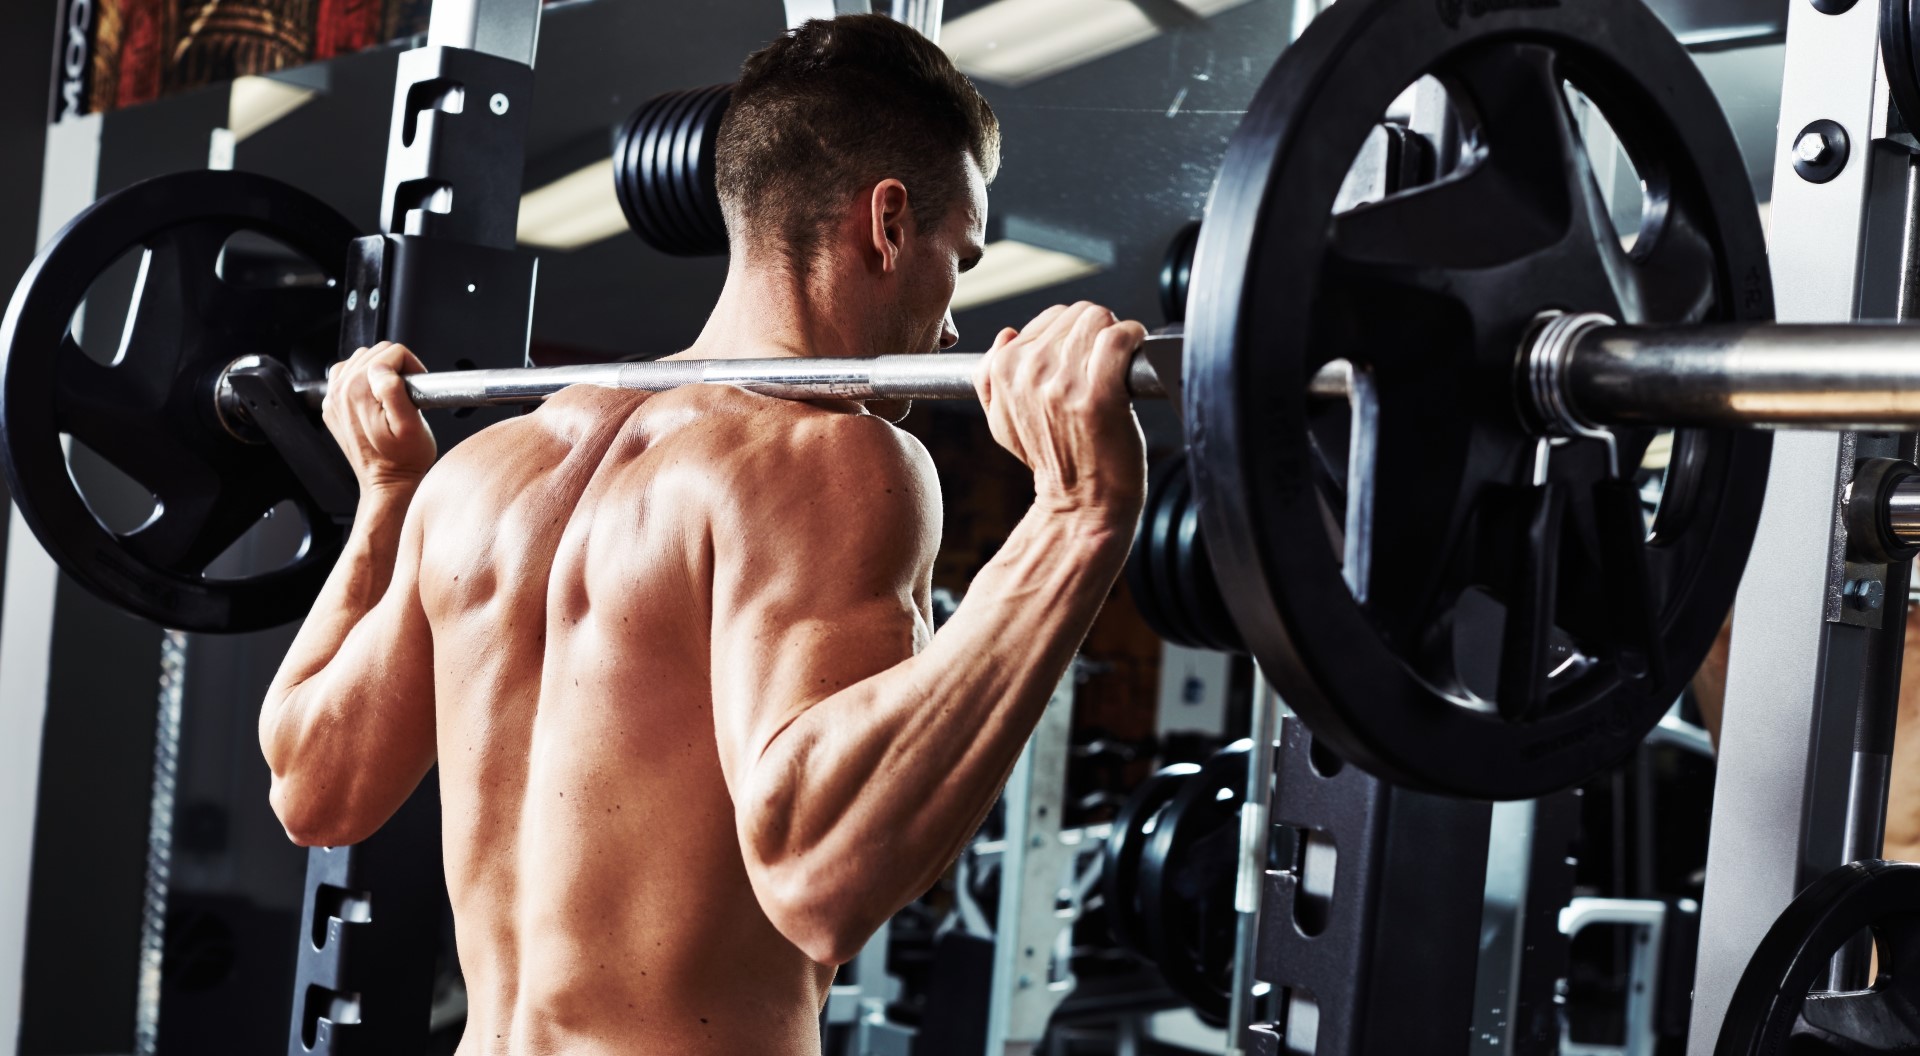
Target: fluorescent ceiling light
1013,42
576,210
1010,268
256,102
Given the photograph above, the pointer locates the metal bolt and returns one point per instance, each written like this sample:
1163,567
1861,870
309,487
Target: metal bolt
1025,981
373,301
1812,148
1867,594
353,299
498,104
1820,151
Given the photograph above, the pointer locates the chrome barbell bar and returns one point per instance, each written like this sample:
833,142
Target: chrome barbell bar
1592,374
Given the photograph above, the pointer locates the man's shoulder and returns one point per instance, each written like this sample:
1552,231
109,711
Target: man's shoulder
758,432
769,457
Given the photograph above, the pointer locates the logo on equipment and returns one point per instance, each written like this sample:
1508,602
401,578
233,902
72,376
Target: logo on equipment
73,59
1450,10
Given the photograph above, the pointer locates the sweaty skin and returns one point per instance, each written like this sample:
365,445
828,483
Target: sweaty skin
673,656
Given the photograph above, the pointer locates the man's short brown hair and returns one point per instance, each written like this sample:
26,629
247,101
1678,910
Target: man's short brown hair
836,106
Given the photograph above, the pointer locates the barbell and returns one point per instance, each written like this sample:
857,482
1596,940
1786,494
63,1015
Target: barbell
1411,425
1590,376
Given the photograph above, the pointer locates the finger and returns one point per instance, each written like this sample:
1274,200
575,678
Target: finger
1078,343
391,357
1058,327
1005,335
1043,320
1112,358
1088,321
399,418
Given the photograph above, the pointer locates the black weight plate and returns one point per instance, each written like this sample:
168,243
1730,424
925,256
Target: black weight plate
1176,272
657,172
1143,577
1186,881
665,171
1199,591
1127,838
1431,290
1772,1011
694,163
1900,53
152,414
671,160
626,172
1163,551
636,172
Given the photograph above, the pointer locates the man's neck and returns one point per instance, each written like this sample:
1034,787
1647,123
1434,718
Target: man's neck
767,311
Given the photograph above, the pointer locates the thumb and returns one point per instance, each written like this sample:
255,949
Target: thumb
1005,336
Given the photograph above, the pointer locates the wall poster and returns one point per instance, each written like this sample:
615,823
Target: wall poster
117,53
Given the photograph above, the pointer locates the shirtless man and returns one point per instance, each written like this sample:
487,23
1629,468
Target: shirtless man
673,655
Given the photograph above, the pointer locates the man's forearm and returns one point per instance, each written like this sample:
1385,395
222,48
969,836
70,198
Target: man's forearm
874,790
357,583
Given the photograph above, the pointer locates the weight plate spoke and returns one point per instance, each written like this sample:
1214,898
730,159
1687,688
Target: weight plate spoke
1672,275
1527,138
1530,604
1435,289
168,303
1870,1021
195,525
93,398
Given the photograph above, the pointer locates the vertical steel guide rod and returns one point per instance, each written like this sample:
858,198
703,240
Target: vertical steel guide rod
1256,827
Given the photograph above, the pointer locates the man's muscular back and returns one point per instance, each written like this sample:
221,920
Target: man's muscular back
710,608
599,890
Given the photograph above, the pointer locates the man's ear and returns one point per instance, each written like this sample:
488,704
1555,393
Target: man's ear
889,219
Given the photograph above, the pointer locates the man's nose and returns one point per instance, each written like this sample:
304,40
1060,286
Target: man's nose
949,334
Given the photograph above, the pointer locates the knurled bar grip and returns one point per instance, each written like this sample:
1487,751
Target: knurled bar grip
903,377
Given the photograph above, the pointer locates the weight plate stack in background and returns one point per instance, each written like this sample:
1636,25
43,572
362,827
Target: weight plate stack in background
663,171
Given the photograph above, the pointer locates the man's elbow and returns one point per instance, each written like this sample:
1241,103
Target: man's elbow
311,816
827,925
